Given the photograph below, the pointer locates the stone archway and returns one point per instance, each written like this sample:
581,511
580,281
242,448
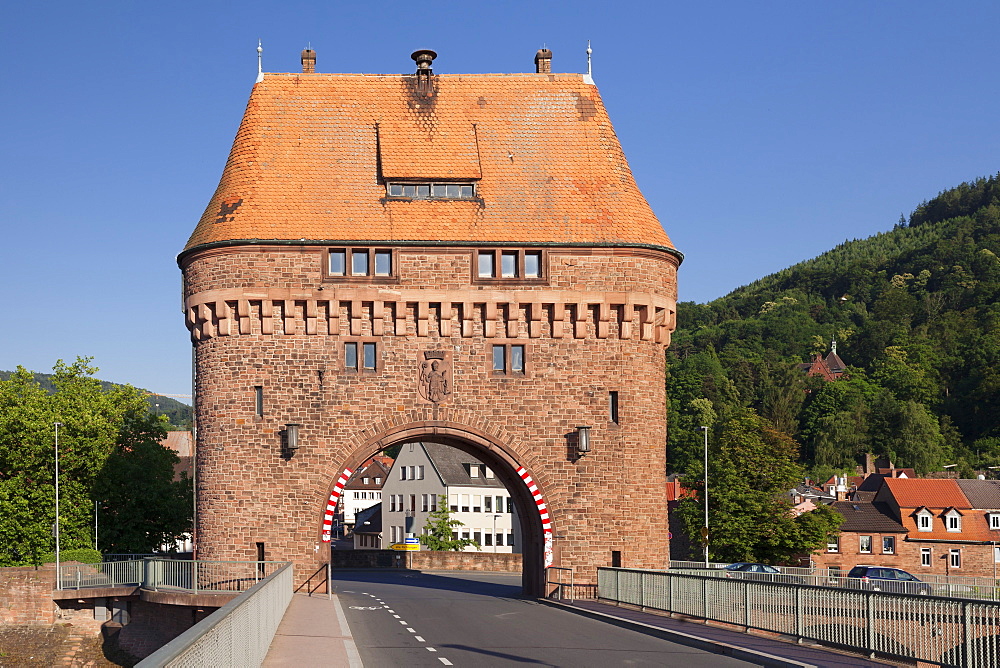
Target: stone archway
533,514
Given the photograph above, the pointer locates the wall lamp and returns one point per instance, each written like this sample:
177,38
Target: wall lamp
582,440
292,434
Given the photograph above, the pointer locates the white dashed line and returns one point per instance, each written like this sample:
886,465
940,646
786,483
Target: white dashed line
431,649
396,616
410,630
445,661
419,639
387,608
402,622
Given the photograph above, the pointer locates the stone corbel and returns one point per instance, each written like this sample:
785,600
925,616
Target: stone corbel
603,320
535,312
205,320
378,318
243,312
628,315
400,314
224,316
560,320
444,323
333,317
312,313
266,316
490,321
288,312
468,310
423,313
580,320
355,316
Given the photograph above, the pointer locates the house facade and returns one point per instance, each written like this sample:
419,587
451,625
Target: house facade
923,526
424,474
364,489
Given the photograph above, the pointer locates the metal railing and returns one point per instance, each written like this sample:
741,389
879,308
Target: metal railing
559,591
237,634
168,575
104,574
971,587
952,632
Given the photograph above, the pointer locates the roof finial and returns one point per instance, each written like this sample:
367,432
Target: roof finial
833,346
260,69
589,76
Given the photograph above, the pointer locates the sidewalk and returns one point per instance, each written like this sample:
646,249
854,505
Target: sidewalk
313,627
750,647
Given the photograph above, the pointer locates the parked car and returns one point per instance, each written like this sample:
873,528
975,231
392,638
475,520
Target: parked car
752,571
882,578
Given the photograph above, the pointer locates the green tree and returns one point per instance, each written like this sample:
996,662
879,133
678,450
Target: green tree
751,466
142,468
441,530
93,422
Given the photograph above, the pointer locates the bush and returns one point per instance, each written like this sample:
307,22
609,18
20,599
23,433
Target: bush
83,555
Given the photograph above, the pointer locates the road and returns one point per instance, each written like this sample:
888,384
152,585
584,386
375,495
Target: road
407,618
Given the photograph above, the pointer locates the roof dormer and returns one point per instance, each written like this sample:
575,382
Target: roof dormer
952,520
924,519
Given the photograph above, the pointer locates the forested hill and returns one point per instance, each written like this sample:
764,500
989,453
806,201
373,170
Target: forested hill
915,314
177,413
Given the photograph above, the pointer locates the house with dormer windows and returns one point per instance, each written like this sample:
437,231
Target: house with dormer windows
923,526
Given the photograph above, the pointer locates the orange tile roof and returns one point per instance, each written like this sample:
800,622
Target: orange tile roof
932,493
307,159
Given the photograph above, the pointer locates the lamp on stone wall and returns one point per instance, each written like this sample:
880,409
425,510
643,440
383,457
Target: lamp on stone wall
582,440
292,434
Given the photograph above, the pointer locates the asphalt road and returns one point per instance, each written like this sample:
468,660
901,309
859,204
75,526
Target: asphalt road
406,618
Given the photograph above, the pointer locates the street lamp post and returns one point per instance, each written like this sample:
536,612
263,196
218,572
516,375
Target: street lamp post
58,578
704,531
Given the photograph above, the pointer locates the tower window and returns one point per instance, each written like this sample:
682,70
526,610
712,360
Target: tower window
508,265
432,190
361,356
360,263
508,359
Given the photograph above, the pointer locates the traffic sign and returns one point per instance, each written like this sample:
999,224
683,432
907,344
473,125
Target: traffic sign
405,547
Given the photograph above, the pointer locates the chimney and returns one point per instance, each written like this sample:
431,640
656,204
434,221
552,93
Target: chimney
543,61
308,61
424,59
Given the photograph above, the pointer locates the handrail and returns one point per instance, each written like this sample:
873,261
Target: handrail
325,569
559,583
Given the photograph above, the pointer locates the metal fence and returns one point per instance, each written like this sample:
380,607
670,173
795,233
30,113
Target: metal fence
104,574
237,634
168,575
971,587
924,628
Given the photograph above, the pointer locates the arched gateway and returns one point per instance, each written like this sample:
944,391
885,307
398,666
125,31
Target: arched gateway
462,259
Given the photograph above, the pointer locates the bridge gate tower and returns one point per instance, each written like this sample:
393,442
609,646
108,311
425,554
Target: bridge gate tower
456,258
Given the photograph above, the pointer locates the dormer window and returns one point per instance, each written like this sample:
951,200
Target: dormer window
953,521
925,520
994,520
431,190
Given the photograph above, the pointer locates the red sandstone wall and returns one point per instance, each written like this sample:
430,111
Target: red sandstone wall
248,492
26,596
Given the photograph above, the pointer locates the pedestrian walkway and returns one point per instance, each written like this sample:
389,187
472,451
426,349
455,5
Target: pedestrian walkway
313,632
747,646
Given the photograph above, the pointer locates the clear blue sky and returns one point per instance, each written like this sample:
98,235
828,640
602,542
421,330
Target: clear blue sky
762,133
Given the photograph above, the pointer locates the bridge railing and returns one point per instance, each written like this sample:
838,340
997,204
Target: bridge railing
168,575
104,574
971,587
952,632
237,634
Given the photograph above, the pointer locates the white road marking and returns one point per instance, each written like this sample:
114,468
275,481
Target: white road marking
402,622
410,630
419,639
431,649
445,661
387,608
396,616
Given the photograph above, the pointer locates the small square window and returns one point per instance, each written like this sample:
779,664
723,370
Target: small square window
865,545
833,544
994,520
517,358
508,264
395,190
338,262
500,359
359,263
467,191
532,264
383,263
369,352
487,264
423,191
888,545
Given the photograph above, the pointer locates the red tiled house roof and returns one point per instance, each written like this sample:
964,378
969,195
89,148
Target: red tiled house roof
938,496
314,152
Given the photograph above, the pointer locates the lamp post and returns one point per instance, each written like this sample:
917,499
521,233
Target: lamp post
704,531
56,531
